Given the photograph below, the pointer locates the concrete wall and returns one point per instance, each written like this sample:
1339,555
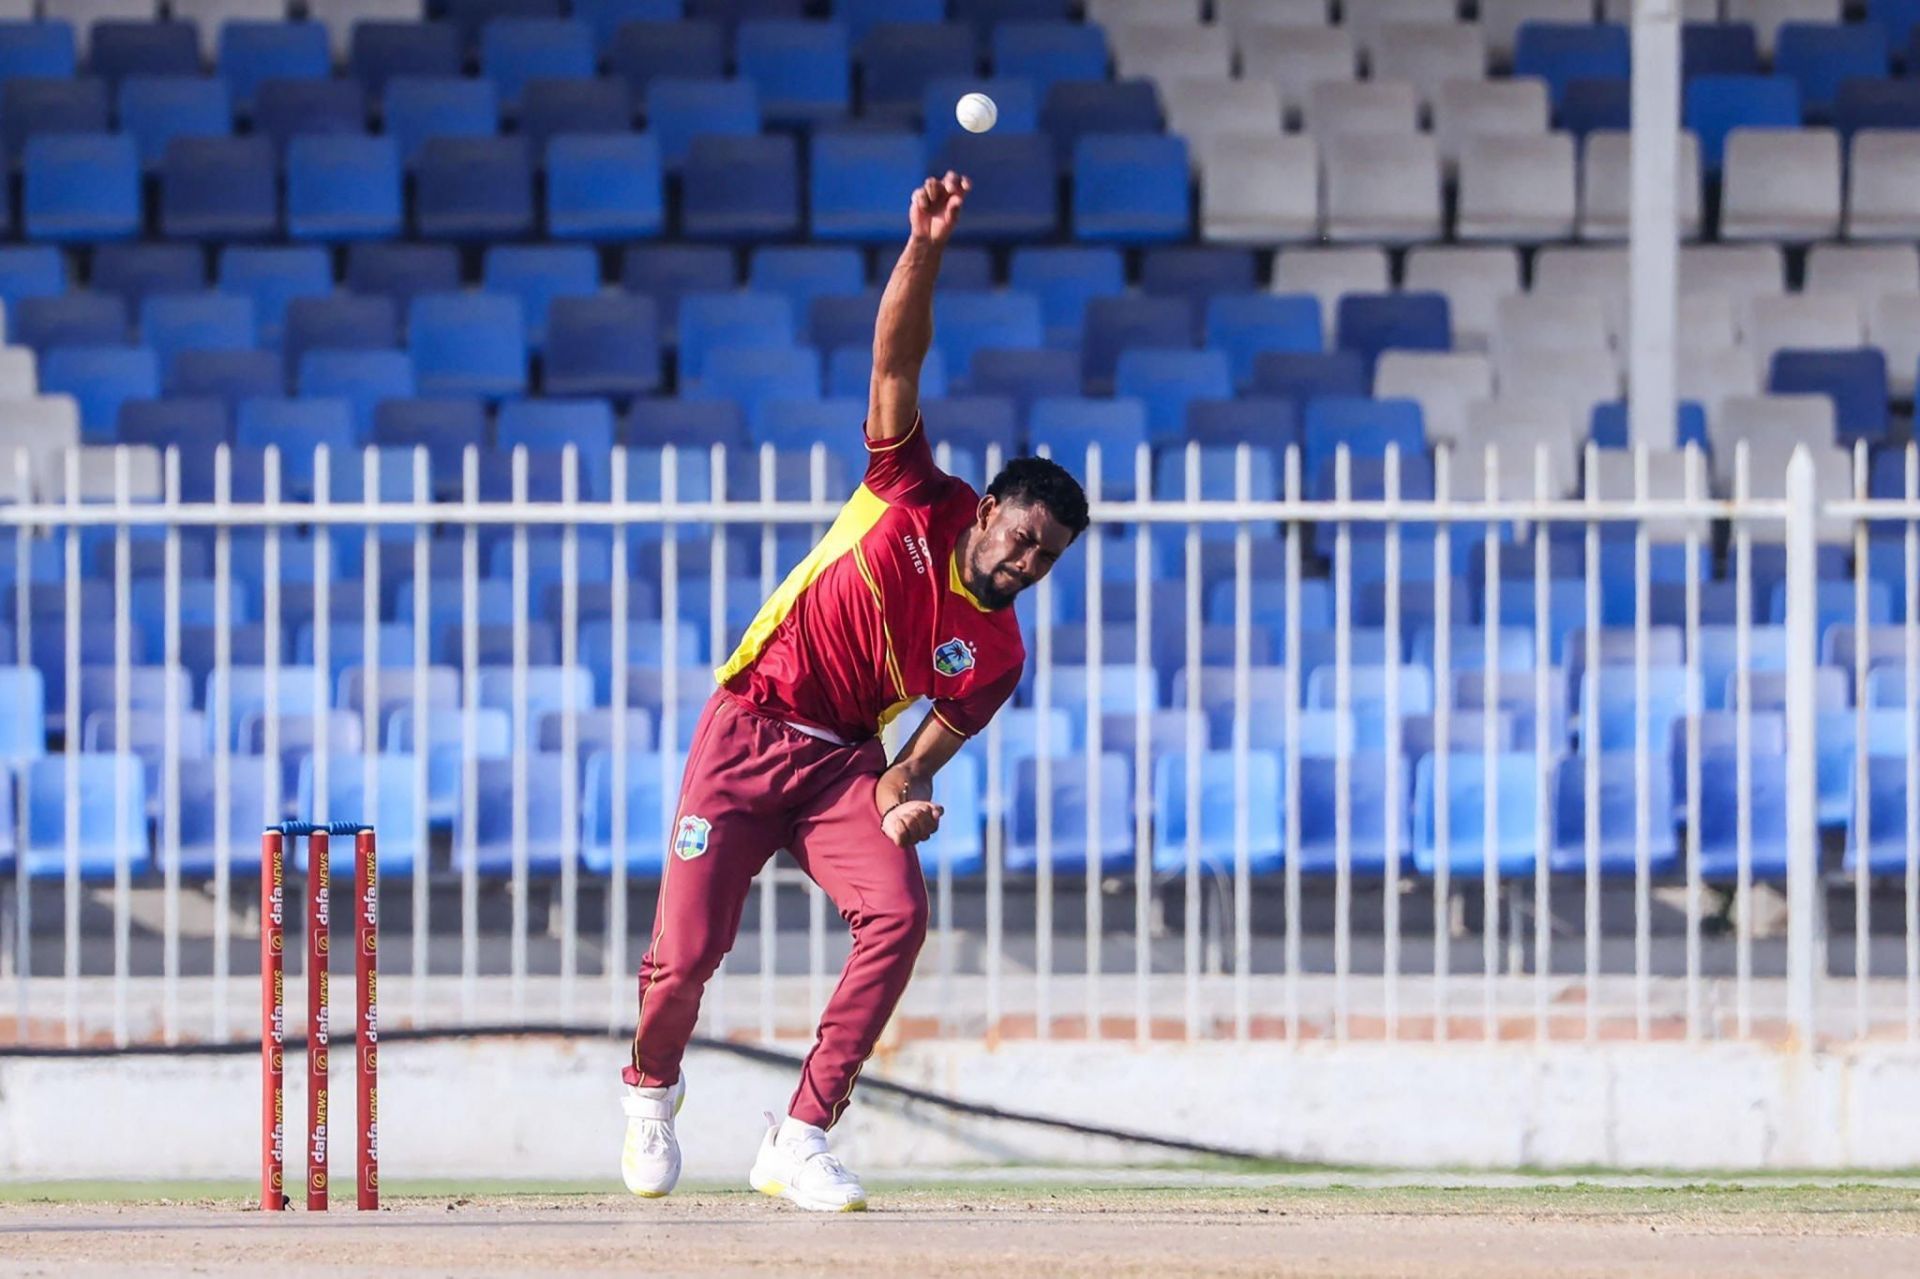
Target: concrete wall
549,1108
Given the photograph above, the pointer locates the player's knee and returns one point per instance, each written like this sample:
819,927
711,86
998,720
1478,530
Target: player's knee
692,957
903,925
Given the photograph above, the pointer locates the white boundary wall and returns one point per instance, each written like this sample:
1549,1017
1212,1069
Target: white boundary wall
548,1108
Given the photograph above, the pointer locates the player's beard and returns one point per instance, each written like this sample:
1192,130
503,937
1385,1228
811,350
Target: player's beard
995,588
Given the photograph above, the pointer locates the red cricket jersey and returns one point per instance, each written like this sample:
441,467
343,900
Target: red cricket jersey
877,615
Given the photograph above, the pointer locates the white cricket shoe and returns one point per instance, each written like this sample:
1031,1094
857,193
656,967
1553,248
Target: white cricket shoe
794,1164
650,1160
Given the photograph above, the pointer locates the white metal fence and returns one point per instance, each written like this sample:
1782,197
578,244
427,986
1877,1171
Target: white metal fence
1325,880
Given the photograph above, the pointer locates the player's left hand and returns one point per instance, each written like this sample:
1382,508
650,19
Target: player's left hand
908,823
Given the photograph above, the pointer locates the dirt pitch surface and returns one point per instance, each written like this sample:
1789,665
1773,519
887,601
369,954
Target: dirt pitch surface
951,1230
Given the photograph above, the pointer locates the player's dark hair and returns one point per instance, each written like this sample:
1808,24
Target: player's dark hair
1042,482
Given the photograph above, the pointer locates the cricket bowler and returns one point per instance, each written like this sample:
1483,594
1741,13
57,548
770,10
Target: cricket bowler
909,595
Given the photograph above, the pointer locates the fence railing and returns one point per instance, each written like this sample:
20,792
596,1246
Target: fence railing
1281,713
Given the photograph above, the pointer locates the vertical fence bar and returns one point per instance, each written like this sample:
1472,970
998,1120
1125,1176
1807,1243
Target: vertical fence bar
1195,745
1043,810
816,899
23,640
219,710
522,735
1586,693
1243,798
1803,849
1142,759
366,974
70,753
718,648
1862,770
1342,744
122,699
618,784
1390,879
468,820
1290,758
322,640
1911,634
1096,733
1696,707
273,941
1543,751
170,752
570,732
373,699
1642,757
319,1031
1743,743
769,887
1442,736
425,734
1490,765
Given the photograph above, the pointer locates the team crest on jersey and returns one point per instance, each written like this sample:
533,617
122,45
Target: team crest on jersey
954,657
690,840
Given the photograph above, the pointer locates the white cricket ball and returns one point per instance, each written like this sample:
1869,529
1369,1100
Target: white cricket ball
976,113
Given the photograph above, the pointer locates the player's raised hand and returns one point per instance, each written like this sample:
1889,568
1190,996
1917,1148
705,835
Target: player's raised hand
936,205
912,821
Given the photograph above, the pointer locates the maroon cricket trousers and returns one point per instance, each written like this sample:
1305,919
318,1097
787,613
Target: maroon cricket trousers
754,785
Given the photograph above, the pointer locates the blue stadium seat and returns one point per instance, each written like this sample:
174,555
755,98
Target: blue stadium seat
444,425
381,52
112,814
1197,272
468,344
1131,188
804,274
1588,105
219,188
1896,17
1025,376
1269,421
1720,805
680,108
1069,780
960,842
604,187
1021,202
343,188
1820,58
273,278
802,70
120,49
967,322
972,422
856,181
417,108
1716,105
862,16
650,779
515,51
195,426
834,322
569,106
470,17
711,320
1167,381
528,827
1882,844
391,807
40,50
364,378
1718,48
283,109
1246,326
1371,808
1048,52
402,271
1077,110
898,59
132,271
551,425
446,735
1370,323
474,189
297,428
798,425
81,187
254,52
1856,382
1066,279
1617,850
665,272
850,371
1608,426
987,16
208,321
29,108
548,688
644,51
608,345
230,376
741,188
31,271
1116,324
1513,842
1364,427
23,735
605,17
537,274
1016,105
1876,104
100,378
755,376
68,319
1609,713
1221,799
200,819
1562,52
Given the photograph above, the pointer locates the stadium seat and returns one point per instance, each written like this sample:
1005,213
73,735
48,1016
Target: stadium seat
969,322
297,428
1381,187
100,378
474,189
1722,801
402,271
1223,793
1517,190
1876,104
343,188
230,376
112,814
897,59
515,51
383,51
804,274
1016,103
173,323
282,109
82,187
802,71
122,48
1025,376
273,278
1022,202
1371,813
755,377
581,105
1369,324
1820,58
1856,382
1468,843
650,777
1075,110
417,108
470,17
1716,105
1617,850
30,108
1718,48
1883,181
468,344
1071,779
254,52
1877,830
1066,279
536,275
1560,53
195,426
1339,107
856,181
679,110
392,808
741,188
1167,381
69,319
364,378
1069,425
606,346
219,189
711,320
132,271
445,426
642,51
603,187
1116,324
1781,185
1259,189
1047,52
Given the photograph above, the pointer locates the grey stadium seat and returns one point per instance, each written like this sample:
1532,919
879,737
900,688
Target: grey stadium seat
1783,419
1259,190
82,14
1329,272
1690,10
1737,272
1113,13
1443,383
1161,51
1382,187
1864,272
1577,380
339,16
1202,109
1242,16
1465,109
1883,185
43,426
99,474
1803,321
1781,184
1473,277
1767,16
1501,20
1427,55
19,374
1711,378
1335,108
1606,185
1767,478
1370,19
1517,190
211,15
1528,322
1893,325
1294,60
1517,427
